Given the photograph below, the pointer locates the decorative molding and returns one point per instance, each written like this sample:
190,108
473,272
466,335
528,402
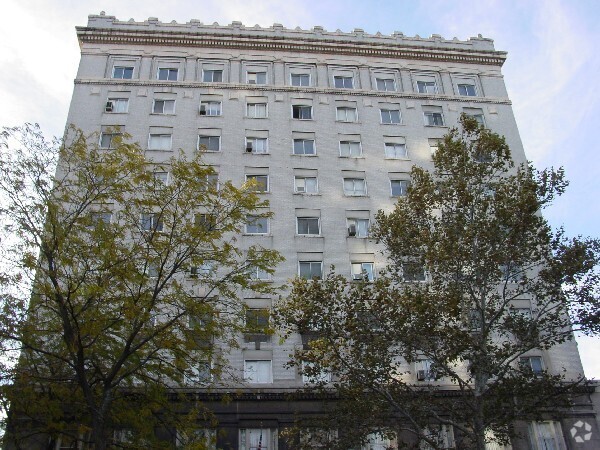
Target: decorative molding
291,89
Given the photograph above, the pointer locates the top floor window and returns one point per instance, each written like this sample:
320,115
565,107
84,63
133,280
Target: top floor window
256,77
122,72
467,89
343,82
167,74
212,76
300,79
427,87
385,84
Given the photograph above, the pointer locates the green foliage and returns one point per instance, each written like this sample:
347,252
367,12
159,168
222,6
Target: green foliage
118,318
500,286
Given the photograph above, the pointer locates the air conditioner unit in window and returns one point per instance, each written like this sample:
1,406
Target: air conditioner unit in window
421,375
249,147
352,230
108,107
202,110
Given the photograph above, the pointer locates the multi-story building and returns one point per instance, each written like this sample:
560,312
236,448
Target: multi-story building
329,125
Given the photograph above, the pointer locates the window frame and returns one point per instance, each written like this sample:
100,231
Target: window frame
305,191
310,266
350,145
114,101
385,84
254,106
404,185
309,225
210,138
344,81
465,86
160,137
255,150
256,361
423,87
124,68
151,222
253,220
430,118
256,74
169,71
302,76
213,72
354,221
206,108
390,119
304,141
164,102
395,145
346,109
299,110
354,180
255,177
360,276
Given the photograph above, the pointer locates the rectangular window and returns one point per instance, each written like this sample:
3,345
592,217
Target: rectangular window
343,82
433,119
261,182
308,226
427,87
163,107
160,178
117,105
209,143
257,225
300,79
358,227
395,150
167,74
209,108
207,222
256,439
109,140
467,90
306,185
304,146
206,269
547,436
423,369
256,77
399,187
98,218
355,187
385,84
310,270
311,376
390,116
159,142
363,271
302,112
475,113
413,271
256,110
205,438
346,114
534,363
350,149
151,222
212,76
122,72
257,274
258,371
256,145
257,324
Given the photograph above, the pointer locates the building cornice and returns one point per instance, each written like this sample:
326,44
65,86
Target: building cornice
262,90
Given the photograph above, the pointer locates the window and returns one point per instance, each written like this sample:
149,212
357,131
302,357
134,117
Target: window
443,435
433,145
257,371
413,271
346,114
477,114
312,376
317,438
210,108
546,436
378,441
261,182
534,363
300,79
363,271
427,87
343,82
163,107
308,226
257,225
256,110
433,119
306,185
159,142
256,77
203,437
212,76
399,187
355,187
210,181
423,370
256,439
167,74
350,149
117,105
199,373
207,222
207,268
256,145
358,227
257,274
109,139
209,143
390,116
302,112
395,150
385,84
160,178
98,218
304,146
257,325
467,89
122,72
310,270
151,222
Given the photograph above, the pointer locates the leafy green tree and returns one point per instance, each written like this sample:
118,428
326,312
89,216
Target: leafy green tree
452,332
121,271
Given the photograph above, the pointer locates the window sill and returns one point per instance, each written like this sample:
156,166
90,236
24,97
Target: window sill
258,234
310,236
302,120
308,194
162,114
396,124
115,112
390,158
159,149
352,157
260,118
211,115
256,154
304,156
436,126
354,195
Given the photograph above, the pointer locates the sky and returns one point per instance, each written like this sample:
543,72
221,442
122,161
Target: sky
552,63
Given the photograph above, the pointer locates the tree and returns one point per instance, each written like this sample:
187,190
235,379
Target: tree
134,271
452,331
